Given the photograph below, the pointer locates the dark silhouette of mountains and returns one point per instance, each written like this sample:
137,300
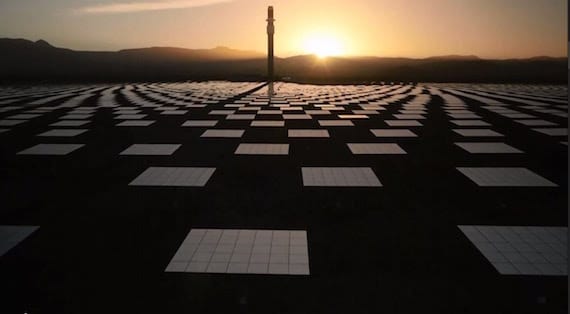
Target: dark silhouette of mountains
24,60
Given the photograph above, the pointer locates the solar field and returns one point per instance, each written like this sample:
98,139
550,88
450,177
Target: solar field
213,197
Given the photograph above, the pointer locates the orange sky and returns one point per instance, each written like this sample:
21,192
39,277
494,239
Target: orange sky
407,28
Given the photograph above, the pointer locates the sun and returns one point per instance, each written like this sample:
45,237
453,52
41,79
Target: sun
323,46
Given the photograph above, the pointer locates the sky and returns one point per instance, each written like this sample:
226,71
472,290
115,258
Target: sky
392,28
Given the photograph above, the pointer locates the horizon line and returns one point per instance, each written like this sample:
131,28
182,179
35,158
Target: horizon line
299,53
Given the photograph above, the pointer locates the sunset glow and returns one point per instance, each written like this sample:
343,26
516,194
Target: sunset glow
403,28
323,46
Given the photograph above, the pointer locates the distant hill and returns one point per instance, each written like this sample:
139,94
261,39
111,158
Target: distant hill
169,53
454,57
24,60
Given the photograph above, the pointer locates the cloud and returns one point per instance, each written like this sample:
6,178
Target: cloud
128,7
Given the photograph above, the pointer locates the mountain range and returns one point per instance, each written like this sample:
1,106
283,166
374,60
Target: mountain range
26,61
